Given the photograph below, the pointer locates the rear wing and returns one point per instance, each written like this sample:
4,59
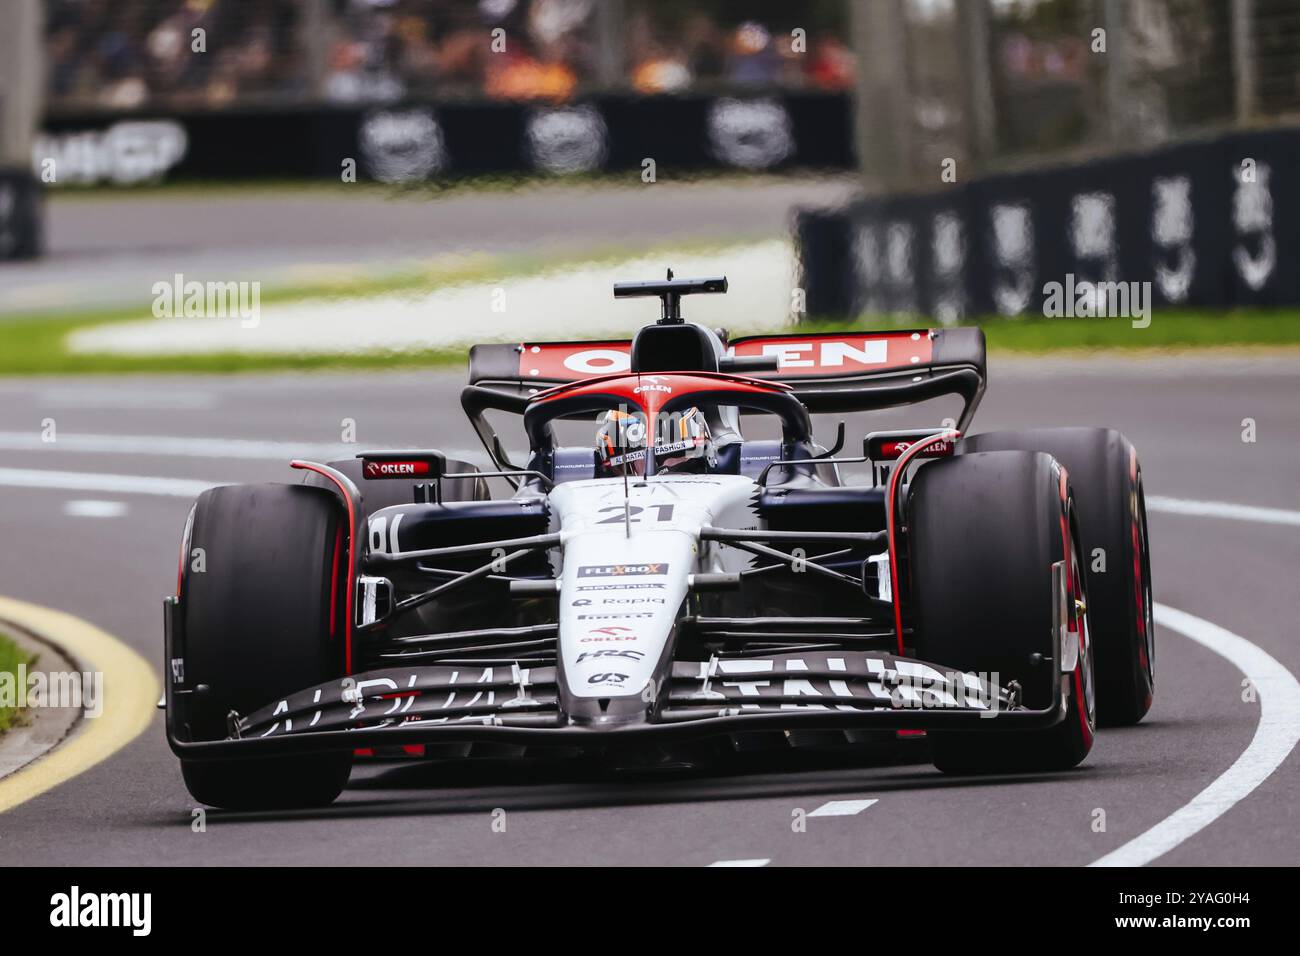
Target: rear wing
829,371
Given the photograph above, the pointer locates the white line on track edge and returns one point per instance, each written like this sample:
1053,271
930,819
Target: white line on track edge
1275,736
1221,509
843,808
91,481
176,446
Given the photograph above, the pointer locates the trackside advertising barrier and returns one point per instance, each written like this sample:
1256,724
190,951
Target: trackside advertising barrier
1214,223
413,142
20,215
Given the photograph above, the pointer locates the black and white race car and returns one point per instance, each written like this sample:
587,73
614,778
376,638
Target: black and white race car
658,580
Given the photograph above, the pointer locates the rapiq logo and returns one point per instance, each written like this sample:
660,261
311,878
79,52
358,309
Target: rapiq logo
620,570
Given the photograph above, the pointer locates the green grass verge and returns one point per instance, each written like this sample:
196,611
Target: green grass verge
11,655
427,189
36,347
34,343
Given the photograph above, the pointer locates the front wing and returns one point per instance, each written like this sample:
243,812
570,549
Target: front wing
479,702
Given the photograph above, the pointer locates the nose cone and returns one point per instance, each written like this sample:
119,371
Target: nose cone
619,603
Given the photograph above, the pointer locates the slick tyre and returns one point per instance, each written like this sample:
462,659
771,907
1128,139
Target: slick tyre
984,532
262,617
1107,481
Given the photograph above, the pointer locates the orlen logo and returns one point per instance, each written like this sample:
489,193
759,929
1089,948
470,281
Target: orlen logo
395,469
563,362
846,355
890,450
612,633
655,385
797,355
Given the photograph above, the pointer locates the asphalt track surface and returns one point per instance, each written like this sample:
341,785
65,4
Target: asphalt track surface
1184,416
109,250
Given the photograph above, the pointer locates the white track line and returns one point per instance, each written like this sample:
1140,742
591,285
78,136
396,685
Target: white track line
177,446
84,508
173,446
1275,736
842,808
760,862
1222,509
113,484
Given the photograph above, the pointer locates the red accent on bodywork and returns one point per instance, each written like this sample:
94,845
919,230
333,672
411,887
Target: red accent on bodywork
186,533
891,510
180,565
411,750
651,392
351,584
1083,707
334,580
890,450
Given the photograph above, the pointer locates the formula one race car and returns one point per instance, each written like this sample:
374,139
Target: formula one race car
663,583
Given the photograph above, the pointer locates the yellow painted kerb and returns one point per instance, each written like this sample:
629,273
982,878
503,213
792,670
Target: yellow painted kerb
130,693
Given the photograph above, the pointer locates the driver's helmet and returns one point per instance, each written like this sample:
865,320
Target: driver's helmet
620,443
684,443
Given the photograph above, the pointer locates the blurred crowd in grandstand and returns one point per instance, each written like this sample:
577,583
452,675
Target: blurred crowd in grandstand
993,79
128,54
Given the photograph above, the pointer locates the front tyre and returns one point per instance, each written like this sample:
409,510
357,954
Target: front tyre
262,618
984,532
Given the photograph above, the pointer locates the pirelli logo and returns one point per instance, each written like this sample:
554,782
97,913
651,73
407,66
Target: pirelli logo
620,570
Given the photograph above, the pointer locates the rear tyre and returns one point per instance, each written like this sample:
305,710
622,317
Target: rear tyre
263,619
984,532
1107,482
